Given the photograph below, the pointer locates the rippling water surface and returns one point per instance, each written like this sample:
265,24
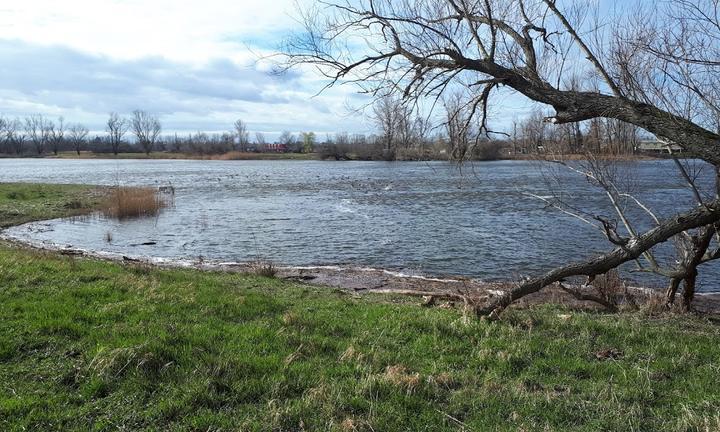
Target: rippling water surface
424,217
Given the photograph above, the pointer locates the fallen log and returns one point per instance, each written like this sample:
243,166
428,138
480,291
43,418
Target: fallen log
586,296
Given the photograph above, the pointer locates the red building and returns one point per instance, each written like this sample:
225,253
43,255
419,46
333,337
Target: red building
275,148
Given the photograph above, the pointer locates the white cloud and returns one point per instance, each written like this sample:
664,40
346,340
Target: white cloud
85,87
185,30
194,62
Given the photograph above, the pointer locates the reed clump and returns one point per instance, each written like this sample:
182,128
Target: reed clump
133,202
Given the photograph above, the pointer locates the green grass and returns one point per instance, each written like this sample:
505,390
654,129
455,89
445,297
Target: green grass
25,202
91,345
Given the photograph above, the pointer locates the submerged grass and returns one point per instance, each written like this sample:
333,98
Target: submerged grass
91,345
26,202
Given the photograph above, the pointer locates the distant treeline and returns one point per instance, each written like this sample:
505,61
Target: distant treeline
401,135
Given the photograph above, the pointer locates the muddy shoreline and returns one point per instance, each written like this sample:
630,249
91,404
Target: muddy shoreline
362,280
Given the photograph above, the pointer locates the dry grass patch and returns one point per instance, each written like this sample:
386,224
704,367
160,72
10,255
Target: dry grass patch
235,155
264,269
111,364
129,202
399,376
348,425
351,355
295,355
443,380
290,318
655,303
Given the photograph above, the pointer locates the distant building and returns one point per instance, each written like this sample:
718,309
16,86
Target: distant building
276,148
654,146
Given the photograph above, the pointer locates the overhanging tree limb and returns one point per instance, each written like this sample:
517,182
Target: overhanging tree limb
695,218
412,36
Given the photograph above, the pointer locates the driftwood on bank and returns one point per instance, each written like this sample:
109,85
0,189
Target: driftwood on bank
586,296
430,297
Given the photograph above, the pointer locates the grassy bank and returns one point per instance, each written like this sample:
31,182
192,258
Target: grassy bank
24,202
90,345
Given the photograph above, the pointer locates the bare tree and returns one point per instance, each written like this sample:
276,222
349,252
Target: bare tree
15,136
38,130
146,128
460,132
571,133
116,128
4,140
260,140
243,137
200,142
176,143
570,138
388,114
77,135
288,139
534,132
654,67
227,142
57,135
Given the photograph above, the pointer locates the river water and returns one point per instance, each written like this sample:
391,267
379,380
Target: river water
430,218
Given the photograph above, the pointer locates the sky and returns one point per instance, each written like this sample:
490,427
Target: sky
198,65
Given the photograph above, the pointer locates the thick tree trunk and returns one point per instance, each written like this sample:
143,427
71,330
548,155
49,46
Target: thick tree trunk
574,106
689,289
672,291
701,245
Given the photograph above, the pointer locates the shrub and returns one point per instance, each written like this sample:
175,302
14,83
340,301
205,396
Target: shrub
334,151
264,268
487,151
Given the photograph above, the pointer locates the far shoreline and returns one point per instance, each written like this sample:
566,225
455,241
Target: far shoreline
253,156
